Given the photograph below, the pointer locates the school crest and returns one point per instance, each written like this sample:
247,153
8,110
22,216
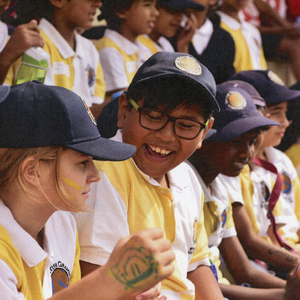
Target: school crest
235,100
189,65
91,75
60,276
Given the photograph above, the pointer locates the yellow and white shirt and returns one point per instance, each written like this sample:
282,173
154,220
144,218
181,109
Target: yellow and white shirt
120,59
218,220
162,45
30,272
293,154
126,200
79,71
290,193
252,189
248,45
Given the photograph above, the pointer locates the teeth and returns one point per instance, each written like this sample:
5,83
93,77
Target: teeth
160,151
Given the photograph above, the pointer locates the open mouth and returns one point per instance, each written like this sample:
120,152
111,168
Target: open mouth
158,151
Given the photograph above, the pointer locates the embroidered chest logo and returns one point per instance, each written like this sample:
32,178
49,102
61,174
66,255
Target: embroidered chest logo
224,218
286,183
91,75
195,236
265,192
60,276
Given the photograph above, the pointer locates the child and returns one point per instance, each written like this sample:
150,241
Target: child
47,148
248,47
277,95
212,45
168,23
74,61
166,114
238,125
120,53
23,37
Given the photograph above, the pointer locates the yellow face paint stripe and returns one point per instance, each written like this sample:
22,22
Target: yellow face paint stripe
71,183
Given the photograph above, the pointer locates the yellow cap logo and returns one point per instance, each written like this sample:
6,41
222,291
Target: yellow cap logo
188,64
235,100
89,112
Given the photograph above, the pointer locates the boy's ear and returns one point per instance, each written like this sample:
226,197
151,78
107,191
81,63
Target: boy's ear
205,131
122,110
29,171
58,3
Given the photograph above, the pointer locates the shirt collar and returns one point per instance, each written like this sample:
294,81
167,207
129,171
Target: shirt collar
126,45
27,246
61,44
230,22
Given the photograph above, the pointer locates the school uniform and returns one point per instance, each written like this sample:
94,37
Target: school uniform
293,155
30,272
3,35
120,59
215,48
79,70
252,190
248,46
290,193
162,44
126,200
218,220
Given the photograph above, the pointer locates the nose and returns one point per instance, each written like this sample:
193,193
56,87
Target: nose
285,122
167,133
155,12
247,150
98,3
93,174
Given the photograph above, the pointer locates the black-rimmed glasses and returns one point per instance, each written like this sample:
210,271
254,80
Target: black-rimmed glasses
155,120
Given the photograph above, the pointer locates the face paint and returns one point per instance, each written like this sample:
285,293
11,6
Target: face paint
71,183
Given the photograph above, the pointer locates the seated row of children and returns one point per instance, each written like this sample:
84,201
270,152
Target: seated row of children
48,144
135,30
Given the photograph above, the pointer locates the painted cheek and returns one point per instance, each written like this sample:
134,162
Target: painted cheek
70,183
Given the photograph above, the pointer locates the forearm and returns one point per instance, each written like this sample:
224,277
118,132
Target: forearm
206,285
6,59
235,292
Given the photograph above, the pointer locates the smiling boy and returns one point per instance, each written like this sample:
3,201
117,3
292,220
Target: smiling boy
166,114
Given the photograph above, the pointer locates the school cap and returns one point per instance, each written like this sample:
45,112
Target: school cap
180,4
37,115
181,65
249,88
268,84
238,114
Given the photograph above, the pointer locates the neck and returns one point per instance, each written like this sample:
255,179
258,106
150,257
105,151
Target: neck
206,172
233,13
128,34
67,32
30,214
154,35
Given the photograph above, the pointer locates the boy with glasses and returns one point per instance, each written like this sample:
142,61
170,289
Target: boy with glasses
166,114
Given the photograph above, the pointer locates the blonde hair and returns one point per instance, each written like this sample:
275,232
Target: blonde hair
10,169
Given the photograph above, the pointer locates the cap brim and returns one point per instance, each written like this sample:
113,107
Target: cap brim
283,95
241,126
4,91
105,149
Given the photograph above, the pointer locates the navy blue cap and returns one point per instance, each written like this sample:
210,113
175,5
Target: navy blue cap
4,91
238,114
249,88
268,84
180,65
37,115
180,4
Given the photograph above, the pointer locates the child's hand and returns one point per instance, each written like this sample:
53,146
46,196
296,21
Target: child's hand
292,289
151,294
141,261
24,37
186,34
